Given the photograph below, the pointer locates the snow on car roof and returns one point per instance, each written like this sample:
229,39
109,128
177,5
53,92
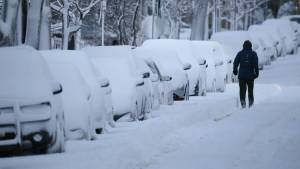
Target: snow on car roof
116,63
232,41
182,47
167,62
208,49
23,73
112,60
78,59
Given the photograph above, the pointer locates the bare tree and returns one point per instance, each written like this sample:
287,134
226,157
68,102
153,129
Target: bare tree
73,13
199,20
8,23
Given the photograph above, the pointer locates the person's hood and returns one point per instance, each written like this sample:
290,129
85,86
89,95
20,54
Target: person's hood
247,45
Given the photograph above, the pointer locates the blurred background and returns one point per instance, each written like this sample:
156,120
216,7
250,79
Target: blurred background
73,24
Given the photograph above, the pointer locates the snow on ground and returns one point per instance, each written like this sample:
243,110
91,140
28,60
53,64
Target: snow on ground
206,132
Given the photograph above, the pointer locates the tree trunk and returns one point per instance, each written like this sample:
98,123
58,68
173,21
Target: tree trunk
65,25
44,42
199,18
134,22
8,24
78,38
19,25
34,23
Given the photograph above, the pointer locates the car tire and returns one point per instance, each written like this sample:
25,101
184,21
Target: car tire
144,110
214,86
186,93
134,115
222,90
197,88
59,144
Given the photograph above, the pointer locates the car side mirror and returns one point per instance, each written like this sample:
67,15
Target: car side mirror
154,78
255,46
104,82
139,82
202,62
187,66
146,75
166,78
56,88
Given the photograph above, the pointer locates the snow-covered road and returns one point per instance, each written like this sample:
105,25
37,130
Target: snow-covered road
206,132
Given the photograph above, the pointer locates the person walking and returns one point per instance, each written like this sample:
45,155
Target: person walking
245,65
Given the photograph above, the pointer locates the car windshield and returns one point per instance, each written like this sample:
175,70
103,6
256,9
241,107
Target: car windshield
22,73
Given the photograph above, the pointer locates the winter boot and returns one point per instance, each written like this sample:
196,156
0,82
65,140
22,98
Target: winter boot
251,103
243,103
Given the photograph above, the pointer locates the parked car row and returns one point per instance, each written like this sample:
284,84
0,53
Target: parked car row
272,39
47,97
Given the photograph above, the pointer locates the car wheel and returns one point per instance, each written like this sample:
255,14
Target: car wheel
223,87
187,95
214,86
197,88
134,114
59,144
144,110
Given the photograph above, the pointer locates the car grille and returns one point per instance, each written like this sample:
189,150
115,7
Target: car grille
7,132
6,110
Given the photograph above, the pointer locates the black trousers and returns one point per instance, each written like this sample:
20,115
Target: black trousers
244,84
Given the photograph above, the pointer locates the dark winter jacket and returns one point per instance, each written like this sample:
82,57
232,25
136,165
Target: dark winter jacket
247,61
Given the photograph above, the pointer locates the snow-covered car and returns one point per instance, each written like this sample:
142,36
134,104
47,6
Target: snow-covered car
274,46
264,50
165,89
296,29
76,98
183,48
98,87
223,70
295,25
171,69
282,28
149,94
118,65
232,41
273,36
217,65
31,110
100,91
293,18
161,85
290,32
152,82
